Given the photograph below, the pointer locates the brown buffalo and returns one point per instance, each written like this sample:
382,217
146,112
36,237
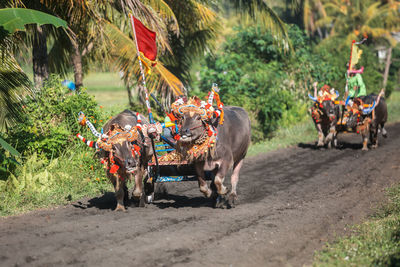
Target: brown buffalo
232,142
325,114
366,120
125,150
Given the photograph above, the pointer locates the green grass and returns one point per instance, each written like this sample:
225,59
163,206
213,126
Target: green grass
104,82
303,132
373,243
394,107
108,90
39,184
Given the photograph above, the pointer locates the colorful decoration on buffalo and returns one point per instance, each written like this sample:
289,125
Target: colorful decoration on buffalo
196,106
115,135
204,146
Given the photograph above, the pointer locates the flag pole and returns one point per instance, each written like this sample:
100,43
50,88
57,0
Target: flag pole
142,72
348,69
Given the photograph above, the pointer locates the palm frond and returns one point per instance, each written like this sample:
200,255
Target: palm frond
165,12
123,49
258,10
199,26
14,84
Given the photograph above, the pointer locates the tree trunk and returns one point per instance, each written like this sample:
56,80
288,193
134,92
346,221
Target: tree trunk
39,57
77,62
387,67
130,98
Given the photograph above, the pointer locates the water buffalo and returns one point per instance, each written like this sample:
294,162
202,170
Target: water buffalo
124,150
379,118
325,114
131,156
232,142
367,120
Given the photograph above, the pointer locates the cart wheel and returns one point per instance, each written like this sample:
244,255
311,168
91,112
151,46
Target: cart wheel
149,198
148,191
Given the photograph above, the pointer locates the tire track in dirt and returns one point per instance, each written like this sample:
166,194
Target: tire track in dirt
291,202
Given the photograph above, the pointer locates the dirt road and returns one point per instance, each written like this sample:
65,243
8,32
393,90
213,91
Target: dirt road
291,202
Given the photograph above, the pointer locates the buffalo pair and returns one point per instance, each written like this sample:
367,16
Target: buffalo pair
124,156
364,116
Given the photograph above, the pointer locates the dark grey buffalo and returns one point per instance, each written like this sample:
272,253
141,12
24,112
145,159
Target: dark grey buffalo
325,114
374,117
129,152
379,118
233,140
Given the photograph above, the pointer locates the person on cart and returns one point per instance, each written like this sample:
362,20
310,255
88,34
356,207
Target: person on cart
324,92
356,85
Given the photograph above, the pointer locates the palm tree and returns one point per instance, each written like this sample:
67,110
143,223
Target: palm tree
14,84
199,28
84,40
260,11
376,19
352,19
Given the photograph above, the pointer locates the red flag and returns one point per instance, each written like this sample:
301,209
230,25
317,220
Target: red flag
146,40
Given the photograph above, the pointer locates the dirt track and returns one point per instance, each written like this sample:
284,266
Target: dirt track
291,202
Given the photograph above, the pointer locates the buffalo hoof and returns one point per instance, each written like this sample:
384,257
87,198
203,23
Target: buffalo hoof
225,202
384,133
220,202
232,198
120,208
142,201
139,201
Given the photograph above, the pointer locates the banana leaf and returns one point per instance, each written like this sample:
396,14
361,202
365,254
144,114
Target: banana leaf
15,19
9,148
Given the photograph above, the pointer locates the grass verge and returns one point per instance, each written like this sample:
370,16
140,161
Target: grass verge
373,243
38,184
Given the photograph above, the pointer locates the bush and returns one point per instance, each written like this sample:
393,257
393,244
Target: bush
336,53
268,83
56,167
50,121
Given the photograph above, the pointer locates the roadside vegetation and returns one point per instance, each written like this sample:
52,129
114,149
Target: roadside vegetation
372,243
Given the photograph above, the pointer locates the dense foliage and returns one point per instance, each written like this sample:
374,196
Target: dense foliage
272,85
50,121
253,73
55,166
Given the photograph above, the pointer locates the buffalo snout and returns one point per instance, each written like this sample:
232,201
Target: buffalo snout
186,132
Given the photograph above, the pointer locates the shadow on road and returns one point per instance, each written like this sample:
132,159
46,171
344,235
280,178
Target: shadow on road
308,146
163,201
347,145
106,201
179,201
341,146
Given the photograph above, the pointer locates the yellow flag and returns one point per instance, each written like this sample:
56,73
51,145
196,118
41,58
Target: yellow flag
355,56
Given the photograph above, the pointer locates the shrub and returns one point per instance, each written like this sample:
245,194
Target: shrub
50,121
268,83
